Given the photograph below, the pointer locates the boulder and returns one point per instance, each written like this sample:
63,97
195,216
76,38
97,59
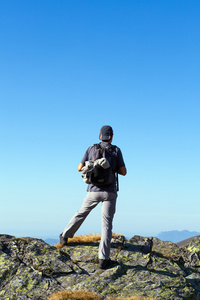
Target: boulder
146,267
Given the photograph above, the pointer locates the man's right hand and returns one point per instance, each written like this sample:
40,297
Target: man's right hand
122,171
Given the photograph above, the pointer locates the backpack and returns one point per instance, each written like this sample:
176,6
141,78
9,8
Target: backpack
98,175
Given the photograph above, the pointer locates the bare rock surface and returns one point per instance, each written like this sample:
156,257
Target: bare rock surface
147,267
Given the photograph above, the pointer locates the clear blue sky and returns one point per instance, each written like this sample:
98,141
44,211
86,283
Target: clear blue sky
69,67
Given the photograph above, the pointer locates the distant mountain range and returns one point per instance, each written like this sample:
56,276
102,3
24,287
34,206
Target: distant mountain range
51,241
174,236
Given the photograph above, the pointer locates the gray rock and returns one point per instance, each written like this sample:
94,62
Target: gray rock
146,267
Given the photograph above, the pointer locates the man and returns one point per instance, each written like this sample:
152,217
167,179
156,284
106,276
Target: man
106,194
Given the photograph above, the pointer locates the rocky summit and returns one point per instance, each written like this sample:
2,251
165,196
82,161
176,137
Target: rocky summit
147,267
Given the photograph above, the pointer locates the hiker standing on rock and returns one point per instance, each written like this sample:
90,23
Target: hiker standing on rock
101,165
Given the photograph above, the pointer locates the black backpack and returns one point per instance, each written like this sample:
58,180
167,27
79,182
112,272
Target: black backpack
99,176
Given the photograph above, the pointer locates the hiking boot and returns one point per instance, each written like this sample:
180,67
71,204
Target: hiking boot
63,241
105,263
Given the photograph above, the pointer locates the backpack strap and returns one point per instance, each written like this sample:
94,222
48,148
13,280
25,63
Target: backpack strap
111,148
100,151
117,181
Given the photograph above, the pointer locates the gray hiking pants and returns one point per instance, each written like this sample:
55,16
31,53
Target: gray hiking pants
108,210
